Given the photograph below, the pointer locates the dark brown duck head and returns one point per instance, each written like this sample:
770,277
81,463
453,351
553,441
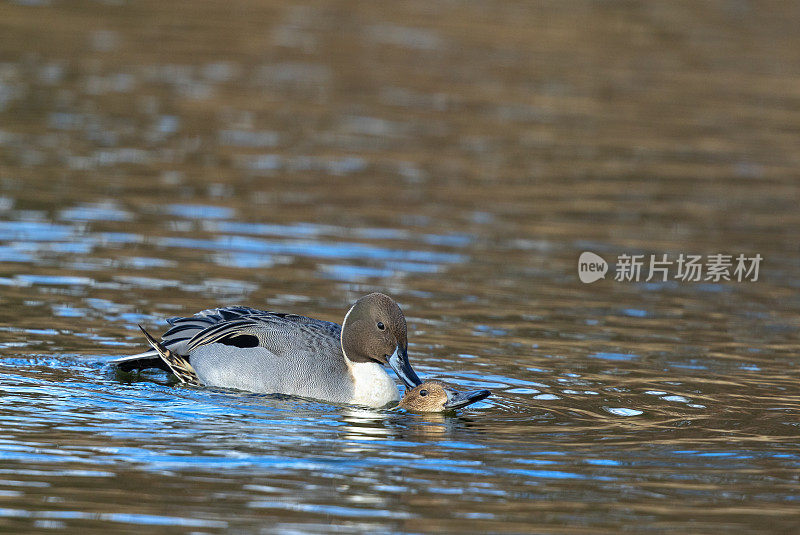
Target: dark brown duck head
437,396
374,330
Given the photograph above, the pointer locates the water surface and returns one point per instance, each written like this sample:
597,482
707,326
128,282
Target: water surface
157,159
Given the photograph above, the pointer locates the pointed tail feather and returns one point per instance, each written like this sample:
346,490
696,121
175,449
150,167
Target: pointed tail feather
141,361
177,364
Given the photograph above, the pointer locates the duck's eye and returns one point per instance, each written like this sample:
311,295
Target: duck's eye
423,392
381,326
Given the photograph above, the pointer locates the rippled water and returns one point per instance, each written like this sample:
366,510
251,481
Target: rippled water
157,159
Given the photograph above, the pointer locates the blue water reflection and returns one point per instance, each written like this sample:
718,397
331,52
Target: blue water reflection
200,211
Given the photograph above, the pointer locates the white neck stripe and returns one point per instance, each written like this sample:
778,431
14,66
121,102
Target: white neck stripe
341,337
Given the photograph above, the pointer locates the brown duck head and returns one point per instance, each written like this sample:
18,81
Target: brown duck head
437,396
374,330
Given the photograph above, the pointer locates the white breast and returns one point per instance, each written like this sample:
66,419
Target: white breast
372,386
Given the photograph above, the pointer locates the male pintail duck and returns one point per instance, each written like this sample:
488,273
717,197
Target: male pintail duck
437,396
269,352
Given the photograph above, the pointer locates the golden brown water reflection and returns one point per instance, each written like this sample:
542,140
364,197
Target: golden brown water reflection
160,158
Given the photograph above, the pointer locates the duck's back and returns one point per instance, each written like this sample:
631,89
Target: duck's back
260,351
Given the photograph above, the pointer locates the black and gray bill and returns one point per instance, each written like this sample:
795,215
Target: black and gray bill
456,400
399,363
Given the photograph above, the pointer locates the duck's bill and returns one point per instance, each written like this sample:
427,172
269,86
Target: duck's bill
456,400
399,363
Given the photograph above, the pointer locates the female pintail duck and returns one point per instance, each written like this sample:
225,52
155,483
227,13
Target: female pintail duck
437,396
258,351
